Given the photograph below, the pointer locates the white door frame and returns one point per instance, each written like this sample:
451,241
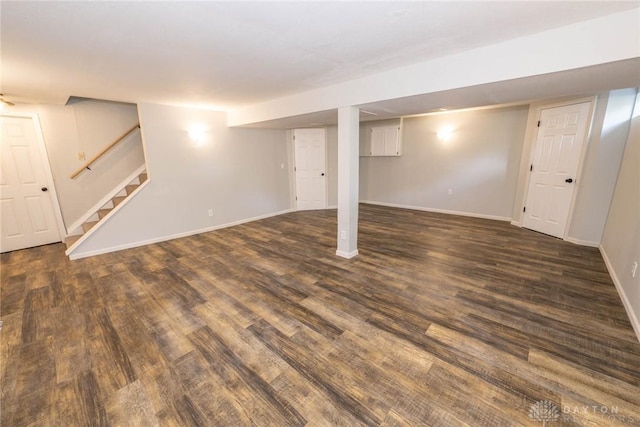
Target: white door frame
42,150
294,180
531,141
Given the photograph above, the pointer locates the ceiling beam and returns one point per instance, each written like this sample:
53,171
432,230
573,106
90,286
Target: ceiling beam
599,41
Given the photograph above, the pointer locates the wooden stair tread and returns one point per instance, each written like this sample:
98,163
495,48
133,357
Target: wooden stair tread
117,200
103,212
88,225
69,241
131,187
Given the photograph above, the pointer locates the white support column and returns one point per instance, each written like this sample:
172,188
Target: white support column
348,180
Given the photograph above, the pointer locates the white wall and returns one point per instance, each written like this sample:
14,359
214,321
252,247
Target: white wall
87,126
422,183
601,165
479,163
235,172
621,239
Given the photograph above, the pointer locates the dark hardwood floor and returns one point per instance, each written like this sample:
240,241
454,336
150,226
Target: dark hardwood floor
441,320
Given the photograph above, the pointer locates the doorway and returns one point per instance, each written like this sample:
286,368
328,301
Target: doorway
554,167
310,147
29,211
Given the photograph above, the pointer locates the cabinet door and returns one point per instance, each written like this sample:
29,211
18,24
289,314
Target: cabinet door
391,141
378,136
385,141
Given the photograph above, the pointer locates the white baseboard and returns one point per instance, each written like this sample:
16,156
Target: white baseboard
102,251
633,318
583,242
516,223
347,255
444,211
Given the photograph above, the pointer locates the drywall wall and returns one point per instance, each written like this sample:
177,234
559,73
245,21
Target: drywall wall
87,126
621,238
478,163
239,174
602,160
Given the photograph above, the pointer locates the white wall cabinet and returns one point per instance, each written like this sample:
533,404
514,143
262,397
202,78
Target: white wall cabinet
384,141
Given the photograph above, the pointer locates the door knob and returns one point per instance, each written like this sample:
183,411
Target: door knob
569,180
44,189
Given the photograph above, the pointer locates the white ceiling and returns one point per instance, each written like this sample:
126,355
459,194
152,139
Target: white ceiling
227,55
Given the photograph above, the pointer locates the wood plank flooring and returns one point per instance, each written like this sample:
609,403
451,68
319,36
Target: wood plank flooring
441,321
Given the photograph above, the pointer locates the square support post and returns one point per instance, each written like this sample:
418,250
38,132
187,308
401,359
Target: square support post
348,180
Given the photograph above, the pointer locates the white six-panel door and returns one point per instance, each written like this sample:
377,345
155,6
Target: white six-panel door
310,168
558,147
27,215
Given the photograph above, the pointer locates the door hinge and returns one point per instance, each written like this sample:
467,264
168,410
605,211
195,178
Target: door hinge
531,168
539,122
524,209
296,198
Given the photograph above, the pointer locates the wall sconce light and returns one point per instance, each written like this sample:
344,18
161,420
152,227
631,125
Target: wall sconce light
445,133
196,133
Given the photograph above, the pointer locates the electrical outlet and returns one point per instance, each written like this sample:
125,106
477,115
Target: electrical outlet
634,268
210,212
450,191
343,235
81,155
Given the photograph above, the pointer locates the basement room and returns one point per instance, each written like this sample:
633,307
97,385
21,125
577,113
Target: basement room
355,213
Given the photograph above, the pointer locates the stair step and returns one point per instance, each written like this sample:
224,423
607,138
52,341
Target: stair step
103,212
69,241
131,187
117,200
88,225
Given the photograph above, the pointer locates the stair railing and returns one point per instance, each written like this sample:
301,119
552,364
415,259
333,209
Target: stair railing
101,153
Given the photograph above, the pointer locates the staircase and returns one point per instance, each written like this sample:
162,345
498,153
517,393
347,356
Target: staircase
104,210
